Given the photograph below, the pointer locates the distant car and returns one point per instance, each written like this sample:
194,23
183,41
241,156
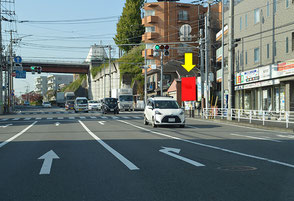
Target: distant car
46,104
109,105
81,104
163,111
69,105
94,105
26,103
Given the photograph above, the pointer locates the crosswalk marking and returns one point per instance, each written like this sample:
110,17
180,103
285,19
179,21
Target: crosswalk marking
137,117
27,118
15,119
60,118
114,117
71,117
38,118
4,119
104,117
82,117
49,118
125,117
93,117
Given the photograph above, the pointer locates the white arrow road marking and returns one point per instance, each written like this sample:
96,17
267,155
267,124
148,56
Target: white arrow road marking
17,135
57,124
48,158
168,151
253,137
212,147
101,122
6,126
120,157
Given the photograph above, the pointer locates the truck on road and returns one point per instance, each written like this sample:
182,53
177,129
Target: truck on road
125,98
60,100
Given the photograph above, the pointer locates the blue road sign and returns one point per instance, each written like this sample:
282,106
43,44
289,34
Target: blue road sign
17,59
20,74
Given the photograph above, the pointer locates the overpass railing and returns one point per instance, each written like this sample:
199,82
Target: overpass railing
285,118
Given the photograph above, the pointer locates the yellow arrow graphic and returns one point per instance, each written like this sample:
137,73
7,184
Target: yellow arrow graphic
188,62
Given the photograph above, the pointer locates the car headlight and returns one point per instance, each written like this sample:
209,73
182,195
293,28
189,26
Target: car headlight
157,112
182,112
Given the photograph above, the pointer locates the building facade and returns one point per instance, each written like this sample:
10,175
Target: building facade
54,81
175,24
264,55
41,85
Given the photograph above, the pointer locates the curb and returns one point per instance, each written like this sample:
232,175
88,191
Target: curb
269,128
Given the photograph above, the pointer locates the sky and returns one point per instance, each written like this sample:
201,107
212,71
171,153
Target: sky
67,40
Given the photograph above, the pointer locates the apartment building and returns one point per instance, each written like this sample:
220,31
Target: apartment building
41,85
264,56
54,81
176,24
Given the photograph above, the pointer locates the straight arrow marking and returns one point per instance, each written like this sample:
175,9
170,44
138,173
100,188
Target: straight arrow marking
101,122
168,151
57,124
47,164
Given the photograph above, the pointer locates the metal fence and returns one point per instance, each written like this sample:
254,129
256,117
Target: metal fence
284,117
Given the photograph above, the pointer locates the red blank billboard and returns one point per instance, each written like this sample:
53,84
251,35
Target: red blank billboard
189,89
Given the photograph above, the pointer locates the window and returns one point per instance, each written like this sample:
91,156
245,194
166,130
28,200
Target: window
267,51
246,58
241,23
183,15
267,9
287,45
287,3
149,13
256,15
150,61
256,55
246,22
275,6
242,58
275,48
149,29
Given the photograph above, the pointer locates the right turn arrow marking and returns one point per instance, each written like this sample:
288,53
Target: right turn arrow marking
168,151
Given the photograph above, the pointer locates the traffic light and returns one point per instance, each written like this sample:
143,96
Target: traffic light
166,50
33,69
156,51
39,69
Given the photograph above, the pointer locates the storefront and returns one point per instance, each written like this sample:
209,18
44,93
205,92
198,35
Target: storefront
266,88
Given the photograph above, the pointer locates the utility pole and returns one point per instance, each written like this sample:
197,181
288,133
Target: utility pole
207,61
109,48
223,58
161,73
231,61
104,87
10,97
145,77
202,66
1,64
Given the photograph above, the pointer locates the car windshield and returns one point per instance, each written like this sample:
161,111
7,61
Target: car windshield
46,103
126,98
93,101
82,101
110,100
70,102
166,104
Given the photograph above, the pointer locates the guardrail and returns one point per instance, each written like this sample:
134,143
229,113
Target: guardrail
286,117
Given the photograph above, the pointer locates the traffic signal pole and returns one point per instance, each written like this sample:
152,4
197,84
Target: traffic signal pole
161,73
1,66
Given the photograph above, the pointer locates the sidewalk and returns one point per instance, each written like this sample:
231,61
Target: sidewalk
271,126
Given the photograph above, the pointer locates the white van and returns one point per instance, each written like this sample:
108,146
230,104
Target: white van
81,105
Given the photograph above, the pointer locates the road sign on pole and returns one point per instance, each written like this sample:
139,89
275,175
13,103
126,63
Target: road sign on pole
17,59
20,74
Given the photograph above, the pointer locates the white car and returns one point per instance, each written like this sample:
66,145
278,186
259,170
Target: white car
46,104
94,105
163,111
81,105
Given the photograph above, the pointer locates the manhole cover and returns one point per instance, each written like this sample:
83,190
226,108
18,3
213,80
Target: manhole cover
237,168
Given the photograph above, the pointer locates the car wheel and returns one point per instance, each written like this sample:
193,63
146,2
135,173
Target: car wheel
182,126
153,123
145,121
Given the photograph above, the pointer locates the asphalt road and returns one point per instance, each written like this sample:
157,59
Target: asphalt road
117,158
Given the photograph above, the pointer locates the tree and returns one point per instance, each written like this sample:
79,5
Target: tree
129,28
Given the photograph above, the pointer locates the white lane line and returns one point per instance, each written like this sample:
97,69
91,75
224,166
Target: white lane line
253,137
71,117
60,117
17,135
286,136
120,157
15,119
212,147
93,117
27,118
6,126
49,118
104,117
